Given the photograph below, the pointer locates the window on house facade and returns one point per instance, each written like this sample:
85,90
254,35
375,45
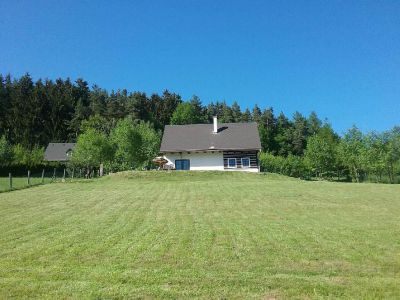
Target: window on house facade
245,162
231,162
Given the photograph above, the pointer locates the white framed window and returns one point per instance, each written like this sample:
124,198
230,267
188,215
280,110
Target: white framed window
245,162
232,163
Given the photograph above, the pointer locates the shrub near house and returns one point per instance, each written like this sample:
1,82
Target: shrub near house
130,145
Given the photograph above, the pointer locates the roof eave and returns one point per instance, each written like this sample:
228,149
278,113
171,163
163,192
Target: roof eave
54,159
210,150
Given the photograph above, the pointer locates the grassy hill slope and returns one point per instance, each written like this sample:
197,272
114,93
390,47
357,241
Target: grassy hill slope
202,235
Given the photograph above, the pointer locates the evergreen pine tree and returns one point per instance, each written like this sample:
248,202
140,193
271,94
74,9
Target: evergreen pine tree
256,115
313,124
299,137
246,116
236,112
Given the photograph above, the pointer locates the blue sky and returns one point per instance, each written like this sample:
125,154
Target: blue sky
338,58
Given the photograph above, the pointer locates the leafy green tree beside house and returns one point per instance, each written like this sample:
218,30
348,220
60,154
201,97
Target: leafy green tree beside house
185,113
135,144
321,155
92,149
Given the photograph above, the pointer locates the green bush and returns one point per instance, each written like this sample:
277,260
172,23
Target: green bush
291,165
135,145
92,149
6,153
24,157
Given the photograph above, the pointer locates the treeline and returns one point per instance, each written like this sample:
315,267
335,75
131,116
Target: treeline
36,113
32,114
357,157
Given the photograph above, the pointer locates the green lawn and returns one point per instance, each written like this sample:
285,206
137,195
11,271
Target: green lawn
200,235
20,182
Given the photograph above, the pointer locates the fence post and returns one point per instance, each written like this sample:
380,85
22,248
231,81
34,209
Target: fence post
63,179
73,173
42,176
54,174
29,177
10,180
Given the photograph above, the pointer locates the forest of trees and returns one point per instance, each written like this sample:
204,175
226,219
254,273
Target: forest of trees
32,114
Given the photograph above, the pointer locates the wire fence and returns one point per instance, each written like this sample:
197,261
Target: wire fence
46,176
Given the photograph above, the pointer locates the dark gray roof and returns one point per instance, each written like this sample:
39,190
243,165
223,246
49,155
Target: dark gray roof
230,136
58,151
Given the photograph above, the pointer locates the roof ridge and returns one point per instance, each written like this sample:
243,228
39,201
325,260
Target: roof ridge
203,124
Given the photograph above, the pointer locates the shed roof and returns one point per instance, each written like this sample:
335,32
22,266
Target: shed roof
230,136
58,151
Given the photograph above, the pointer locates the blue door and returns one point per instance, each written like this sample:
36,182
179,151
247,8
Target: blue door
182,164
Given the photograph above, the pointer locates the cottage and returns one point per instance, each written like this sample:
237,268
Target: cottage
60,152
225,146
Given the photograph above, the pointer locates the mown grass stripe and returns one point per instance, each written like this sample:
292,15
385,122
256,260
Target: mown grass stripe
200,235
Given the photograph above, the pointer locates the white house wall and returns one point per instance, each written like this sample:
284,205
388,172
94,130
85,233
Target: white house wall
211,161
253,170
200,161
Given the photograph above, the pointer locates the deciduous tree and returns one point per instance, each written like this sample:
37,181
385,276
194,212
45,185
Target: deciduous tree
92,149
352,153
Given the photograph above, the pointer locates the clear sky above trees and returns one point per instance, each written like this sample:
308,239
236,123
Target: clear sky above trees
339,59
